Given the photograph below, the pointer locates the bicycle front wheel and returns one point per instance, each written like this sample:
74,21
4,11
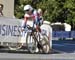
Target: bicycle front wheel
30,43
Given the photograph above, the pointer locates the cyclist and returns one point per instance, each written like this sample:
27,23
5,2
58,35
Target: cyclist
31,18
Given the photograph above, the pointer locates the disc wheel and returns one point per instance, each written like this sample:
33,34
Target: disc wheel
45,44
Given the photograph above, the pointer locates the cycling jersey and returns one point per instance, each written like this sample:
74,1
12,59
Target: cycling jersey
34,18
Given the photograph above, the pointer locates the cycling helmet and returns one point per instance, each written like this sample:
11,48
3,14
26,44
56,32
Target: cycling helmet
28,7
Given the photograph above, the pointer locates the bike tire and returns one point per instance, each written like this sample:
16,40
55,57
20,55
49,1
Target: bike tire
45,44
30,43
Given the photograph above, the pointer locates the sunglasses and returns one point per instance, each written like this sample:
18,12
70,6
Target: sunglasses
26,10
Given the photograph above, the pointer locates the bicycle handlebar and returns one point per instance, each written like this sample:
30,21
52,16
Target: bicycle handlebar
31,28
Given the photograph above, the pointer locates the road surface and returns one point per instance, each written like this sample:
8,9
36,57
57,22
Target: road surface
62,50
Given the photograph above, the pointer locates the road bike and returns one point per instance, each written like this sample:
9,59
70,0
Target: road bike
34,41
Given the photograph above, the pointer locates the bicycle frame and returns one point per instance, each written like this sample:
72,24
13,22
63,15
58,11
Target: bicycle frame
34,37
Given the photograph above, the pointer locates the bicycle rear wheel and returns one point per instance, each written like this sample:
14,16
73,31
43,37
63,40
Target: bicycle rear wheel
45,44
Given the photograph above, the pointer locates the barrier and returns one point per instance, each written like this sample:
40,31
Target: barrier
63,34
73,34
54,34
59,34
9,29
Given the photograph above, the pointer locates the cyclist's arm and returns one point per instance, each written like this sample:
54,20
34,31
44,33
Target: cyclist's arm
23,25
25,21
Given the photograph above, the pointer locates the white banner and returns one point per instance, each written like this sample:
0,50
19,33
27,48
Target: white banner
9,29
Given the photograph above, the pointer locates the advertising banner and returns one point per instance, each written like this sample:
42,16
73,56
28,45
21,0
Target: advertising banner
9,29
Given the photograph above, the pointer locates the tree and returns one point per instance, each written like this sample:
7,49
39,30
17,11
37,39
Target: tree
53,10
70,6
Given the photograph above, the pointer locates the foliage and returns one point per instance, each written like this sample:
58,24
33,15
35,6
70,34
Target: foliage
53,10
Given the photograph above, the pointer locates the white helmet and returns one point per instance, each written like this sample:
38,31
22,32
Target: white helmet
39,10
28,7
46,22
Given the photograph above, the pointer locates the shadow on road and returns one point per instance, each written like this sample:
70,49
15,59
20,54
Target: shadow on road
24,51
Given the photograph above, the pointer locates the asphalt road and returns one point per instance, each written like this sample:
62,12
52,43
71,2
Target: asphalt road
64,46
62,50
11,56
